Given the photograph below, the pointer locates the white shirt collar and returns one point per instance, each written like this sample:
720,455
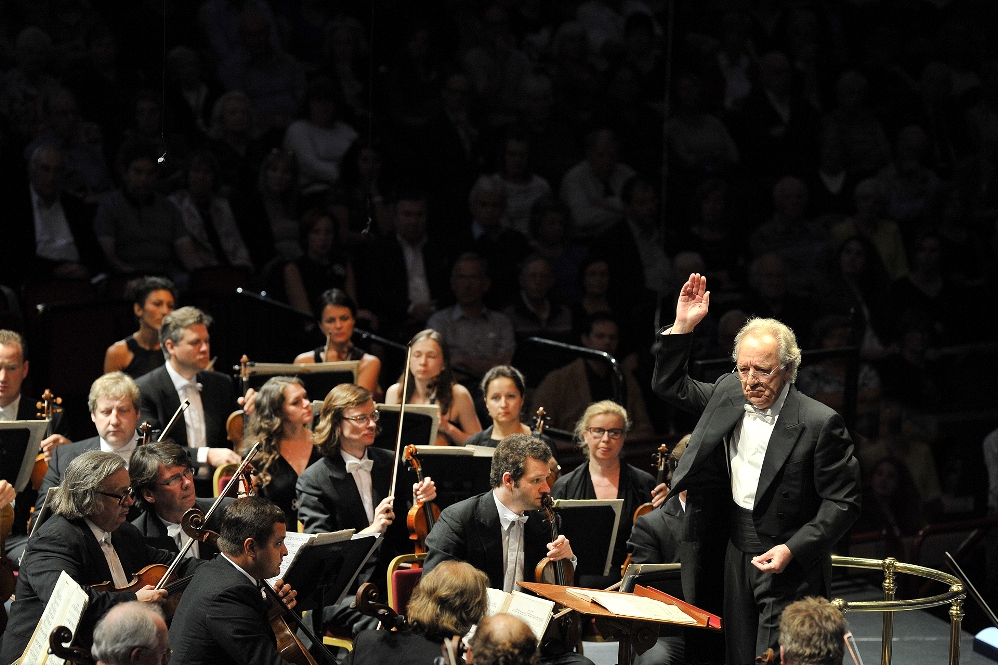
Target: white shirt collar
506,516
98,532
125,451
9,412
347,456
178,381
242,570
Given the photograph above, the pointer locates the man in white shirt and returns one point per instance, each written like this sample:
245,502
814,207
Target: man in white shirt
770,475
591,189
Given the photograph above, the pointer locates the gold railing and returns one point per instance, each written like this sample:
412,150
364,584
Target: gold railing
891,567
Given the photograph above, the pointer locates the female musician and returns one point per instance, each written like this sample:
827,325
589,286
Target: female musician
503,387
140,353
336,322
282,421
431,381
601,433
448,601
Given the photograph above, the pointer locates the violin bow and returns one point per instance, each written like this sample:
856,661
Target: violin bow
398,434
173,420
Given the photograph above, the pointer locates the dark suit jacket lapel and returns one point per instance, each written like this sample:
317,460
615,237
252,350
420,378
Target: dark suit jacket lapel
94,551
154,531
785,435
346,489
705,439
169,402
489,534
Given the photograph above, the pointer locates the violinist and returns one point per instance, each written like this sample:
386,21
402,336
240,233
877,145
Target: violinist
163,489
87,537
336,321
140,353
431,381
601,433
282,422
500,532
222,618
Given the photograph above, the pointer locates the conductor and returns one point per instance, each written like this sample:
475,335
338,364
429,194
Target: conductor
768,470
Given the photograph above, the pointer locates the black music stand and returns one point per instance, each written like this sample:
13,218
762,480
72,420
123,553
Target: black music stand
459,472
318,378
591,526
418,428
20,441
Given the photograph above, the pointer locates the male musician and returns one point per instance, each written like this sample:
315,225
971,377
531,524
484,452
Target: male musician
502,638
88,538
498,532
132,634
769,473
222,616
114,410
186,346
163,488
13,371
812,632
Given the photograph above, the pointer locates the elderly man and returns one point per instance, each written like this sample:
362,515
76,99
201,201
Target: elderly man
187,349
812,632
132,634
770,476
502,638
88,538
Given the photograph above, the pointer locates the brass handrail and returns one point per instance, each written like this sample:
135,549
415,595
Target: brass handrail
890,566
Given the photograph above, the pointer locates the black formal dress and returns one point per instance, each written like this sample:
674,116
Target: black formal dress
143,360
69,545
807,498
281,487
222,620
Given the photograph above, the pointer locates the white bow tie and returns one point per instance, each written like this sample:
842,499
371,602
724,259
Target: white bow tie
353,465
193,385
766,415
522,519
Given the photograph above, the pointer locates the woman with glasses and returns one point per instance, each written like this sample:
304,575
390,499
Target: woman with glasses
601,432
282,422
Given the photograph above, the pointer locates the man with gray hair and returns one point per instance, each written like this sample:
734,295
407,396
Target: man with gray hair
770,475
186,345
88,538
502,639
132,633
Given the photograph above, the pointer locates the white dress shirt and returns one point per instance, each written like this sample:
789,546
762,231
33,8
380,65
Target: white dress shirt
176,532
125,452
747,450
512,544
9,412
107,547
53,239
418,284
197,433
362,476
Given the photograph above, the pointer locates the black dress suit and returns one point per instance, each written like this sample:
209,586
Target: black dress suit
655,536
807,498
160,401
61,457
153,529
222,620
69,545
404,647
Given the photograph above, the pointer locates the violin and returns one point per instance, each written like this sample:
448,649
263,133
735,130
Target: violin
562,573
540,421
153,575
47,407
422,516
662,464
7,579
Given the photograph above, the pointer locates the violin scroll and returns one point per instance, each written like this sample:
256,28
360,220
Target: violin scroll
59,640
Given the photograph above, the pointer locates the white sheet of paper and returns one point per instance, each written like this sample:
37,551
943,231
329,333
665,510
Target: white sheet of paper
65,607
629,605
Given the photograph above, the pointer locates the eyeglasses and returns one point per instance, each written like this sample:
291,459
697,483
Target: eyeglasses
598,432
365,418
128,494
173,481
746,372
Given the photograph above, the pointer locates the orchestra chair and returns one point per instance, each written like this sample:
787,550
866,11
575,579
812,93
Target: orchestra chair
404,573
222,476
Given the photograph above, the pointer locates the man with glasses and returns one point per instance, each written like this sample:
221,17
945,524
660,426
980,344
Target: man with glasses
132,634
770,476
88,538
163,485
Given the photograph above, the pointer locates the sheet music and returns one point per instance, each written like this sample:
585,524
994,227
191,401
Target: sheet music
635,607
294,541
65,607
535,612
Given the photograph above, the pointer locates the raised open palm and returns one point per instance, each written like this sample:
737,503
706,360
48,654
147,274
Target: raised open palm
694,300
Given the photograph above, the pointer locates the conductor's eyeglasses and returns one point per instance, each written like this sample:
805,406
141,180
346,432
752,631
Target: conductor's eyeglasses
364,418
747,372
598,432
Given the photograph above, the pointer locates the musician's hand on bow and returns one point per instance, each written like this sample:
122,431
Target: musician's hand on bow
425,491
248,402
50,442
7,492
773,561
150,594
286,594
658,494
694,299
384,515
220,456
560,549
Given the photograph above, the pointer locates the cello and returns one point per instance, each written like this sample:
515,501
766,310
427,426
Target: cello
422,516
568,628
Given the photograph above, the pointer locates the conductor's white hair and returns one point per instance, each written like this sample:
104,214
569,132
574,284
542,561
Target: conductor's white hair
788,350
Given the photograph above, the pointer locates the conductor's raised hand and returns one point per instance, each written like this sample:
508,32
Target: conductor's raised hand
694,299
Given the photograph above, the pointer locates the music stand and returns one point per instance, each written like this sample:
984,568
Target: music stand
459,472
318,378
419,427
591,526
20,441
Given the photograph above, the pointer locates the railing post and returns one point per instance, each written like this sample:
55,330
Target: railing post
890,588
956,622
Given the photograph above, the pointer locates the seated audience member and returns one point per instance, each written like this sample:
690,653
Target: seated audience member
523,187
264,198
489,530
698,140
445,603
49,232
601,433
503,248
502,639
910,374
864,143
565,393
550,224
132,633
114,409
891,504
88,538
320,140
137,228
337,317
162,479
431,381
592,188
929,290
140,353
771,295
188,94
478,337
496,66
712,233
184,337
812,632
534,314
15,406
361,202
282,422
594,281
221,618
208,218
323,266
402,276
870,197
910,182
831,186
27,81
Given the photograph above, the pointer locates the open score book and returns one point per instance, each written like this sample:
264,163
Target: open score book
633,607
